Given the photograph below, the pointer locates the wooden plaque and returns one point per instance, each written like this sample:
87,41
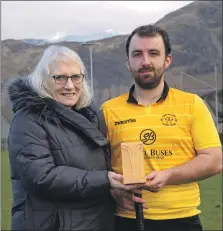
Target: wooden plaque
133,162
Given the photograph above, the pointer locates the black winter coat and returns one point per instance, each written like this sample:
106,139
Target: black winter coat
59,160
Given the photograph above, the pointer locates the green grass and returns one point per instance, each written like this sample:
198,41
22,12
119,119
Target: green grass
211,199
6,193
211,203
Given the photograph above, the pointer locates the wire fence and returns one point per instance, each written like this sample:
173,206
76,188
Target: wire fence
204,90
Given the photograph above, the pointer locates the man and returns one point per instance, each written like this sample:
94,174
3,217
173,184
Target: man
181,142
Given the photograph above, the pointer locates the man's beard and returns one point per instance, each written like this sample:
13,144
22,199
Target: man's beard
148,81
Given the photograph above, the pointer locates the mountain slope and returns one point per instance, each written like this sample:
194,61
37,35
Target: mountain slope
195,33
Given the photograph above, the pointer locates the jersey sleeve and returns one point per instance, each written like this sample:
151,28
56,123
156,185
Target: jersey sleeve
203,129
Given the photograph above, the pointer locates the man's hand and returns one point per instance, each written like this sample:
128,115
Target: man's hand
126,199
156,180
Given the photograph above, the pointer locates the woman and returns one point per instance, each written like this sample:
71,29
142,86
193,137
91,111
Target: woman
59,156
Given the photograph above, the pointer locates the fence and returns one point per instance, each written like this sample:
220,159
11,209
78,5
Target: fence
4,146
214,105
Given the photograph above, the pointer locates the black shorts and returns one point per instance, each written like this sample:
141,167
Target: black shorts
181,224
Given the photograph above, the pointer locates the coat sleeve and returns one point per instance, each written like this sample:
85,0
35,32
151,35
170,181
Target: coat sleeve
103,129
31,157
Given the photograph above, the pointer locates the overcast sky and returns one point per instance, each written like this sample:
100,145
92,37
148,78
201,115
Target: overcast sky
44,19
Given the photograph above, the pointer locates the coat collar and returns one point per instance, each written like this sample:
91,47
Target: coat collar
24,98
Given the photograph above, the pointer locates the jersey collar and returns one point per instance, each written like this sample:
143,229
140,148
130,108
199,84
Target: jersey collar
131,98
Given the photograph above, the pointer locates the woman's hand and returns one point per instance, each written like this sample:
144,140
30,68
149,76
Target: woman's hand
116,182
126,199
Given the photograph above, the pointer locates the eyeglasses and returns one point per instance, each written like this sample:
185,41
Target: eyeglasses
62,79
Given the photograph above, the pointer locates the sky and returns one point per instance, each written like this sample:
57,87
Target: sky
47,19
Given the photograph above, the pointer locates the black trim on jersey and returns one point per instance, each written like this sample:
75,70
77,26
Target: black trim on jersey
131,98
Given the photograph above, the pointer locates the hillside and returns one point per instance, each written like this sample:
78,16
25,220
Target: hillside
195,33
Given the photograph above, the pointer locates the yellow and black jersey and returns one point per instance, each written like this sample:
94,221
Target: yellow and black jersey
172,129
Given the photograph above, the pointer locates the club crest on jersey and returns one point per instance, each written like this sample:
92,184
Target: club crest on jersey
169,120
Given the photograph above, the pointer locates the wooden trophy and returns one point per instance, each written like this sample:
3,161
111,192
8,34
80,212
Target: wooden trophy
133,172
133,162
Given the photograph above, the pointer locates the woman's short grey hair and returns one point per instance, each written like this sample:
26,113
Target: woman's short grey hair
50,58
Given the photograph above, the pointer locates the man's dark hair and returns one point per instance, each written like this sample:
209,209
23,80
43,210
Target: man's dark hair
150,31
